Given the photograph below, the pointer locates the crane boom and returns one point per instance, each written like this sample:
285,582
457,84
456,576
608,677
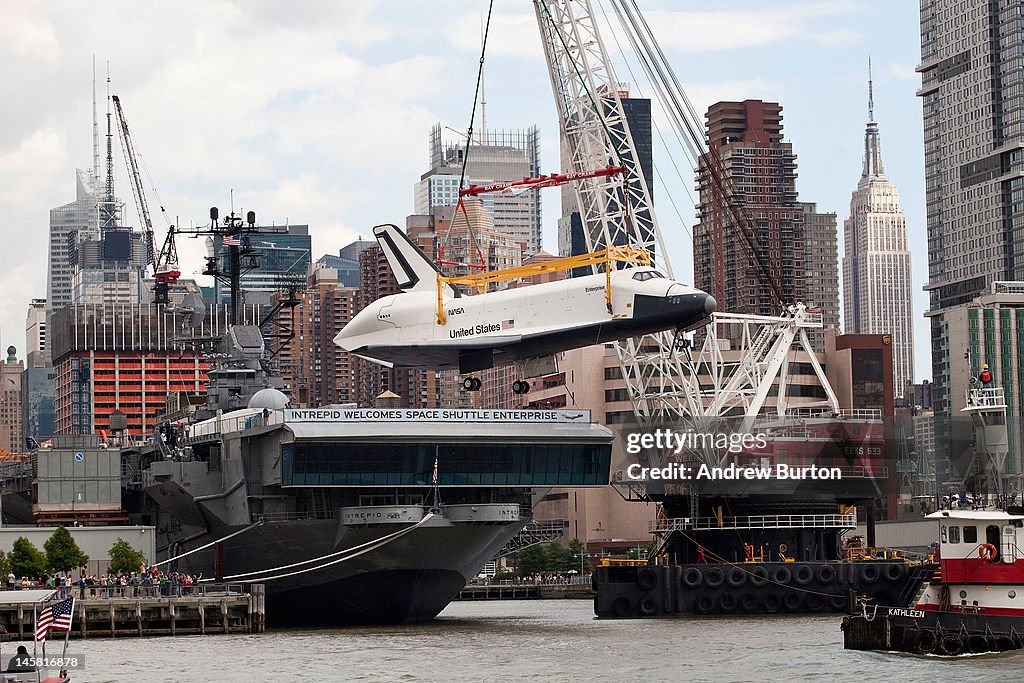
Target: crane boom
136,178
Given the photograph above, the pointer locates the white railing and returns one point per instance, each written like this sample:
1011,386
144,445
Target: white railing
755,522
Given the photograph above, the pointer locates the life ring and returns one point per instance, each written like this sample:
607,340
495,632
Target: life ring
758,576
736,577
987,551
951,645
622,607
692,577
926,642
803,575
647,578
727,603
782,575
870,573
772,602
705,604
748,602
648,606
826,574
714,577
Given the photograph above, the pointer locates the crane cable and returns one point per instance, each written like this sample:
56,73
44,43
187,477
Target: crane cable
465,154
680,109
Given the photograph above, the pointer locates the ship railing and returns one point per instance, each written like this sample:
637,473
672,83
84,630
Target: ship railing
755,522
293,516
154,591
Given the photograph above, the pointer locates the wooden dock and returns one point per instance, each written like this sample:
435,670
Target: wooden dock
199,611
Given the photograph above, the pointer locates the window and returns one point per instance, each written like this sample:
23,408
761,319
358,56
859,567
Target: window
954,534
970,534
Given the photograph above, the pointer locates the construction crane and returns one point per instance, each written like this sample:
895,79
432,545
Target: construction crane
660,371
165,264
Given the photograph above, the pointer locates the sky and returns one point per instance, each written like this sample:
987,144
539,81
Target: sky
318,113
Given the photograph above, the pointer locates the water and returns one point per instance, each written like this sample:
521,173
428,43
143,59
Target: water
554,640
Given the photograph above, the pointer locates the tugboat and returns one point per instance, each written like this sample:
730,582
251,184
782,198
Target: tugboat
974,603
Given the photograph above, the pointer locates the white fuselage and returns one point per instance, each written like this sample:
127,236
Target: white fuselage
531,313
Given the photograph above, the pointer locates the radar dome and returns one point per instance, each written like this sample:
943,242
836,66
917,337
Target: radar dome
269,398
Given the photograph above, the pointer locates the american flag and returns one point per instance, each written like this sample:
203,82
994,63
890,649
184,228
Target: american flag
55,617
232,241
435,471
506,324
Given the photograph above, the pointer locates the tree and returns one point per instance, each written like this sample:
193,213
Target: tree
532,561
124,558
26,559
62,553
559,558
577,549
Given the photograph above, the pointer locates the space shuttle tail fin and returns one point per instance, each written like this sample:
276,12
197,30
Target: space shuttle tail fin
413,270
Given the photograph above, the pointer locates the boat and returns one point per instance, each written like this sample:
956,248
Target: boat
774,545
974,603
348,515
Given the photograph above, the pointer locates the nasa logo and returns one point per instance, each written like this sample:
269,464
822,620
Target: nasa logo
456,311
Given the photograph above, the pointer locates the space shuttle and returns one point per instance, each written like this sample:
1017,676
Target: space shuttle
511,325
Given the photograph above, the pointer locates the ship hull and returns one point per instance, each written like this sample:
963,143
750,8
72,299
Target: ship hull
410,578
932,632
749,588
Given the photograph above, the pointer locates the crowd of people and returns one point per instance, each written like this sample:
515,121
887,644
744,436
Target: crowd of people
147,582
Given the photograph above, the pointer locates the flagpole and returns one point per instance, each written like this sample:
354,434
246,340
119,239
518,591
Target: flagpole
39,673
67,634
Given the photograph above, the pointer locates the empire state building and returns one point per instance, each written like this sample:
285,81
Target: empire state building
876,266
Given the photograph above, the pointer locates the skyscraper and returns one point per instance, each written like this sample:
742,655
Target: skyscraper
750,172
495,156
876,267
67,223
283,254
973,136
571,240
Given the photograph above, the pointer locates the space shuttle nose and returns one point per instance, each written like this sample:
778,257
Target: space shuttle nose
710,304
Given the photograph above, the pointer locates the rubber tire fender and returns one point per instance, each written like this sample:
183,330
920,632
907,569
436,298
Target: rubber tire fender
648,607
793,601
772,603
647,578
748,602
736,577
826,574
704,604
714,577
894,572
869,573
727,603
977,643
622,607
926,642
803,575
837,603
951,645
782,575
815,603
692,578
758,576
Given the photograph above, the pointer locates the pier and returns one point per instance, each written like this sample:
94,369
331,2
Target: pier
202,610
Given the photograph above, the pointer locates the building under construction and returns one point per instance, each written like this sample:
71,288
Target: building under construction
128,358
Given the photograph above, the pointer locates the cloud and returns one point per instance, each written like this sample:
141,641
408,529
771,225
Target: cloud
26,36
896,72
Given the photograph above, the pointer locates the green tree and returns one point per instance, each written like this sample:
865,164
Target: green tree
124,558
578,550
62,553
559,558
26,559
532,561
